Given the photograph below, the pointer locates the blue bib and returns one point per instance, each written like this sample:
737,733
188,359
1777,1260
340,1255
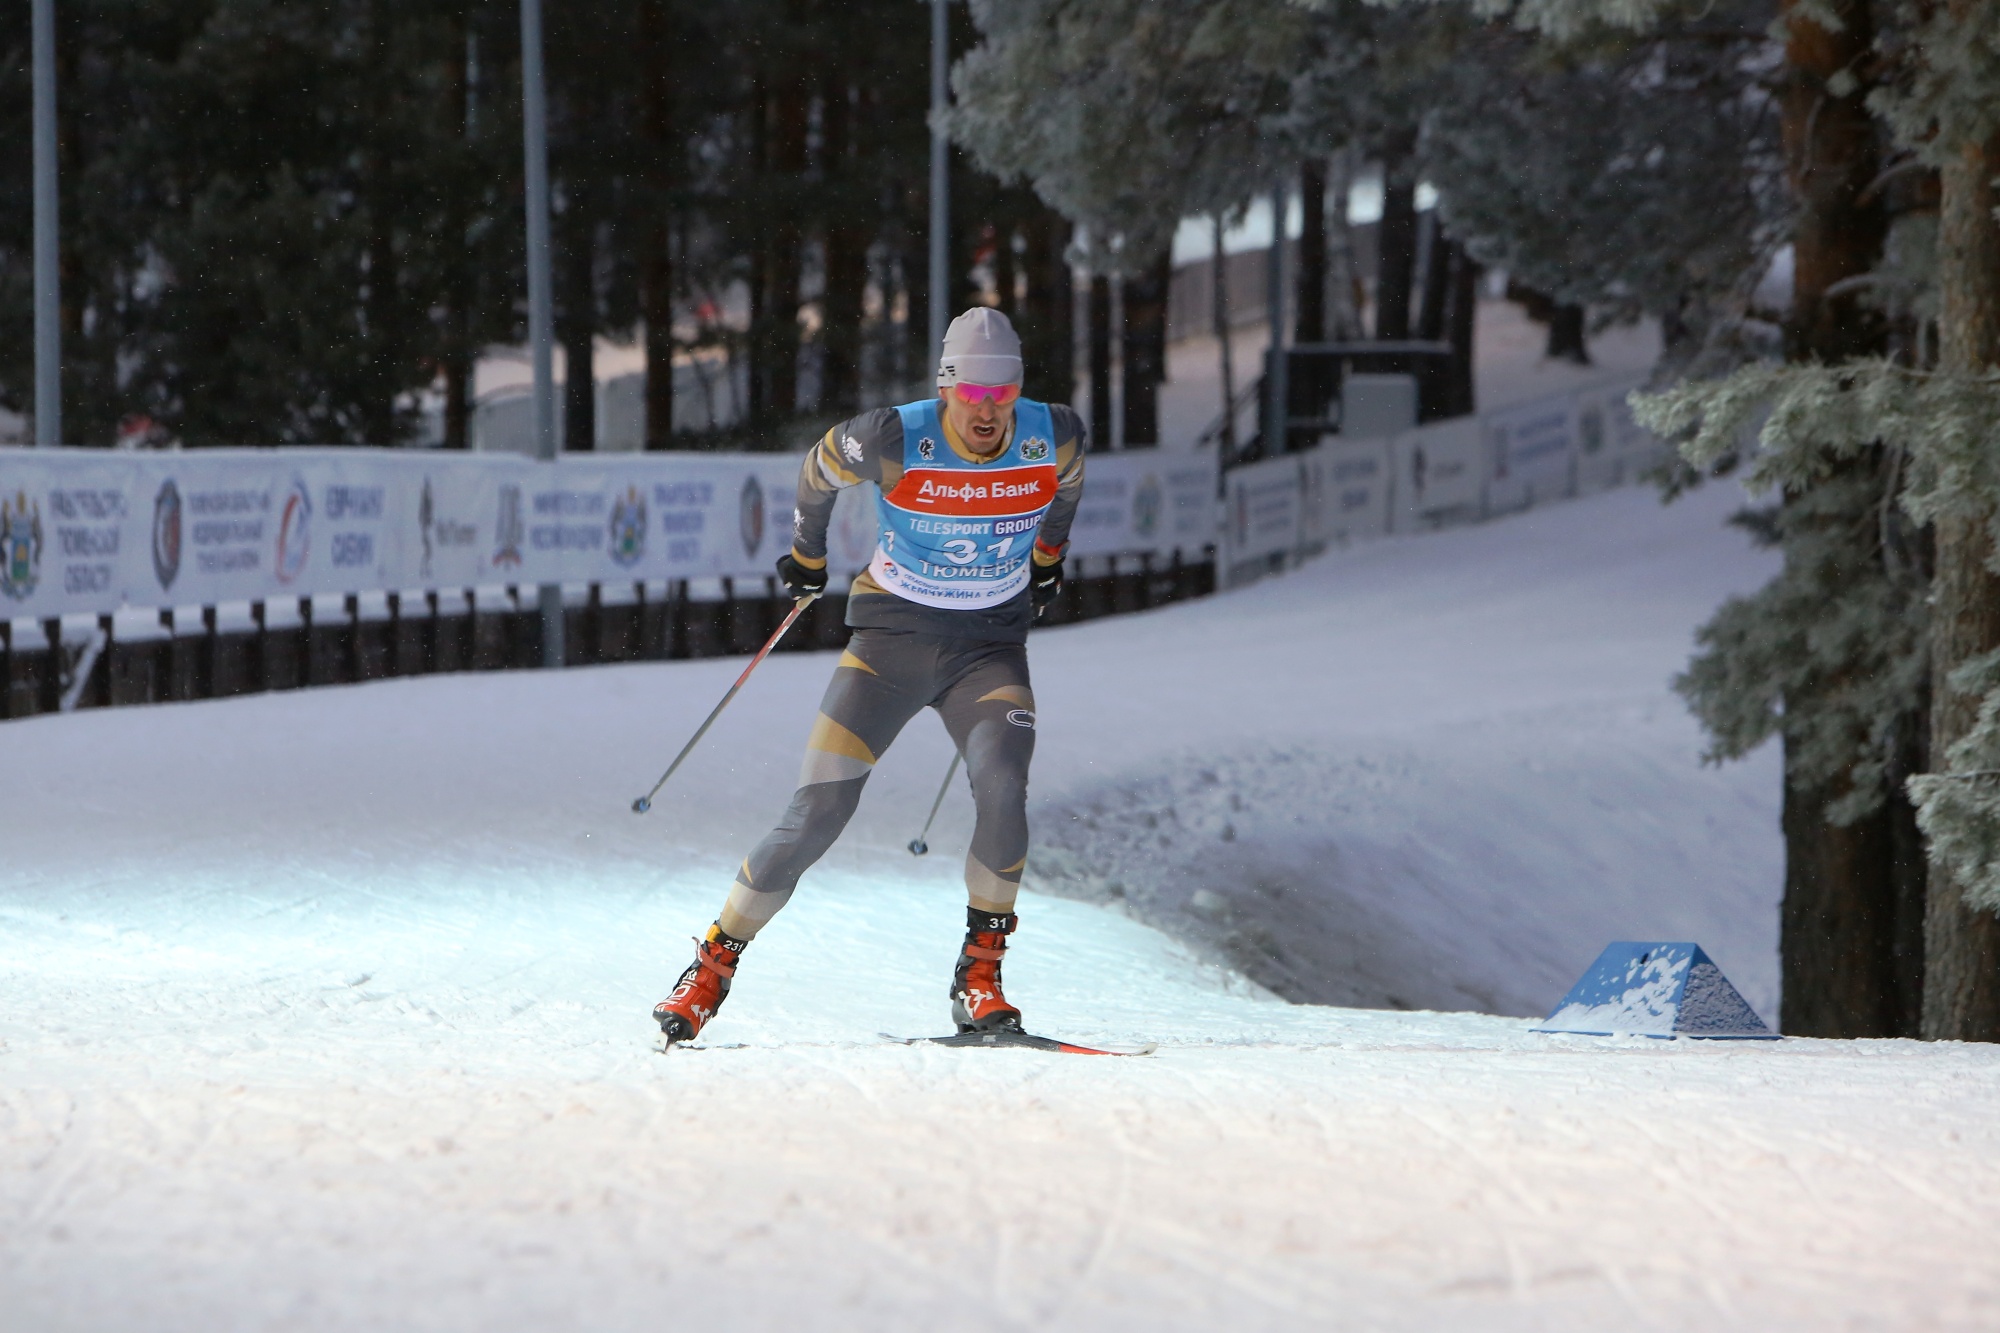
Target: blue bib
955,533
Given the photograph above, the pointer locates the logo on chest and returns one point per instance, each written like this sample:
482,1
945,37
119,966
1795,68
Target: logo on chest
1002,491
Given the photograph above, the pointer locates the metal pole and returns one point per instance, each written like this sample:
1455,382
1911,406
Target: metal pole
541,320
940,180
1277,398
48,289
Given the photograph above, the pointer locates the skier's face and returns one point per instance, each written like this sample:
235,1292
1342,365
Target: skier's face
983,425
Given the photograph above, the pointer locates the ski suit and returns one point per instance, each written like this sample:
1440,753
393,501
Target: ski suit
940,620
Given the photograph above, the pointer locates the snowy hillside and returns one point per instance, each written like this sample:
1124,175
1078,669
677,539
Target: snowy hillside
328,1010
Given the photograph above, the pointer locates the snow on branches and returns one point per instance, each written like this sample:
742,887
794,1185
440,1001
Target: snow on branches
1883,447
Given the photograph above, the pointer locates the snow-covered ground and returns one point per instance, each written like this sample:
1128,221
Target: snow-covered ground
328,1010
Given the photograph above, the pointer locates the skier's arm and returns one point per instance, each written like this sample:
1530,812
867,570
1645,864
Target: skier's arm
847,455
1072,440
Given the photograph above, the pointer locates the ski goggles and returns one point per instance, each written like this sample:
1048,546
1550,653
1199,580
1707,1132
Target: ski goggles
1002,395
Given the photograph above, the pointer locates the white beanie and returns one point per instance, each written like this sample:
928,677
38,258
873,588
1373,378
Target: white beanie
980,347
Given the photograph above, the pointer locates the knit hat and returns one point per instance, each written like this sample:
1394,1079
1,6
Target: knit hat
980,347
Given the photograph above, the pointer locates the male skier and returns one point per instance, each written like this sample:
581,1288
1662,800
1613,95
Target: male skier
978,487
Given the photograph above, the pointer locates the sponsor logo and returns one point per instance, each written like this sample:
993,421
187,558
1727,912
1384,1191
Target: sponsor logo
20,546
1034,449
509,531
750,515
927,449
1007,492
1021,717
1147,503
294,533
628,527
167,534
850,447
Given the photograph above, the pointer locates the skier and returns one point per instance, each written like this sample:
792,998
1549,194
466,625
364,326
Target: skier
978,487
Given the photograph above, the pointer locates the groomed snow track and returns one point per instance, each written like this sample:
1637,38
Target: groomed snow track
328,1010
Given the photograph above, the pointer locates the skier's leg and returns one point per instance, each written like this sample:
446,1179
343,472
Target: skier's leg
882,680
990,712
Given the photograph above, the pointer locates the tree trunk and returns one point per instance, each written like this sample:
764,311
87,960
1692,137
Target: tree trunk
1831,156
1219,312
1100,361
1850,945
1438,256
579,328
1047,323
455,359
1850,966
846,260
1145,347
1344,293
776,329
1461,321
655,231
1567,340
1310,318
1961,944
378,421
1396,262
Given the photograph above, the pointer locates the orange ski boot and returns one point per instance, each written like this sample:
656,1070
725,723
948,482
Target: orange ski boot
702,988
977,1003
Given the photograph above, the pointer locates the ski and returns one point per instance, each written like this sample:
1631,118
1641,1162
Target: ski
1025,1040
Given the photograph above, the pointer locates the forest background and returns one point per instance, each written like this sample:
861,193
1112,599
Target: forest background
283,222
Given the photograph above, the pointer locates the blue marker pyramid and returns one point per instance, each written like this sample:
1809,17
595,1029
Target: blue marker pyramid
1656,990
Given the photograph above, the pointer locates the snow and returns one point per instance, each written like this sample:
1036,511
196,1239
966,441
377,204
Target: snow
327,1010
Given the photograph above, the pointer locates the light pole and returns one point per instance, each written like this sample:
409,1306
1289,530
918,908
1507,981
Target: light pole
541,319
940,178
48,289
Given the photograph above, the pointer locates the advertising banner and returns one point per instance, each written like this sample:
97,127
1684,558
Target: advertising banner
1439,475
1624,450
627,517
1262,509
1351,490
66,532
1531,453
1146,500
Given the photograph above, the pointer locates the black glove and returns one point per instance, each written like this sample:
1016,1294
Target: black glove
1043,585
799,580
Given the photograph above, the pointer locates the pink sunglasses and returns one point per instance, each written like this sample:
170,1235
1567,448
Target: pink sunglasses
1001,394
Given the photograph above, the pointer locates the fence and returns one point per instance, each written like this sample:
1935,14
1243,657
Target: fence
1280,509
136,578
133,578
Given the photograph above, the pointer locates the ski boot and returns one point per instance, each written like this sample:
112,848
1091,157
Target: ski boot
702,988
977,1004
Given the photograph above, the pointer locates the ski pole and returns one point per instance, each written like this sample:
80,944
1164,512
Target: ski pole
917,844
645,803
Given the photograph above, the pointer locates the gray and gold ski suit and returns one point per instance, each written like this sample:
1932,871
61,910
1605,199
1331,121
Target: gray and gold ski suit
970,664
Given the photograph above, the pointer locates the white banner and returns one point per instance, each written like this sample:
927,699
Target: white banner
1262,508
1531,453
1146,500
1613,448
1353,491
87,531
1439,474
